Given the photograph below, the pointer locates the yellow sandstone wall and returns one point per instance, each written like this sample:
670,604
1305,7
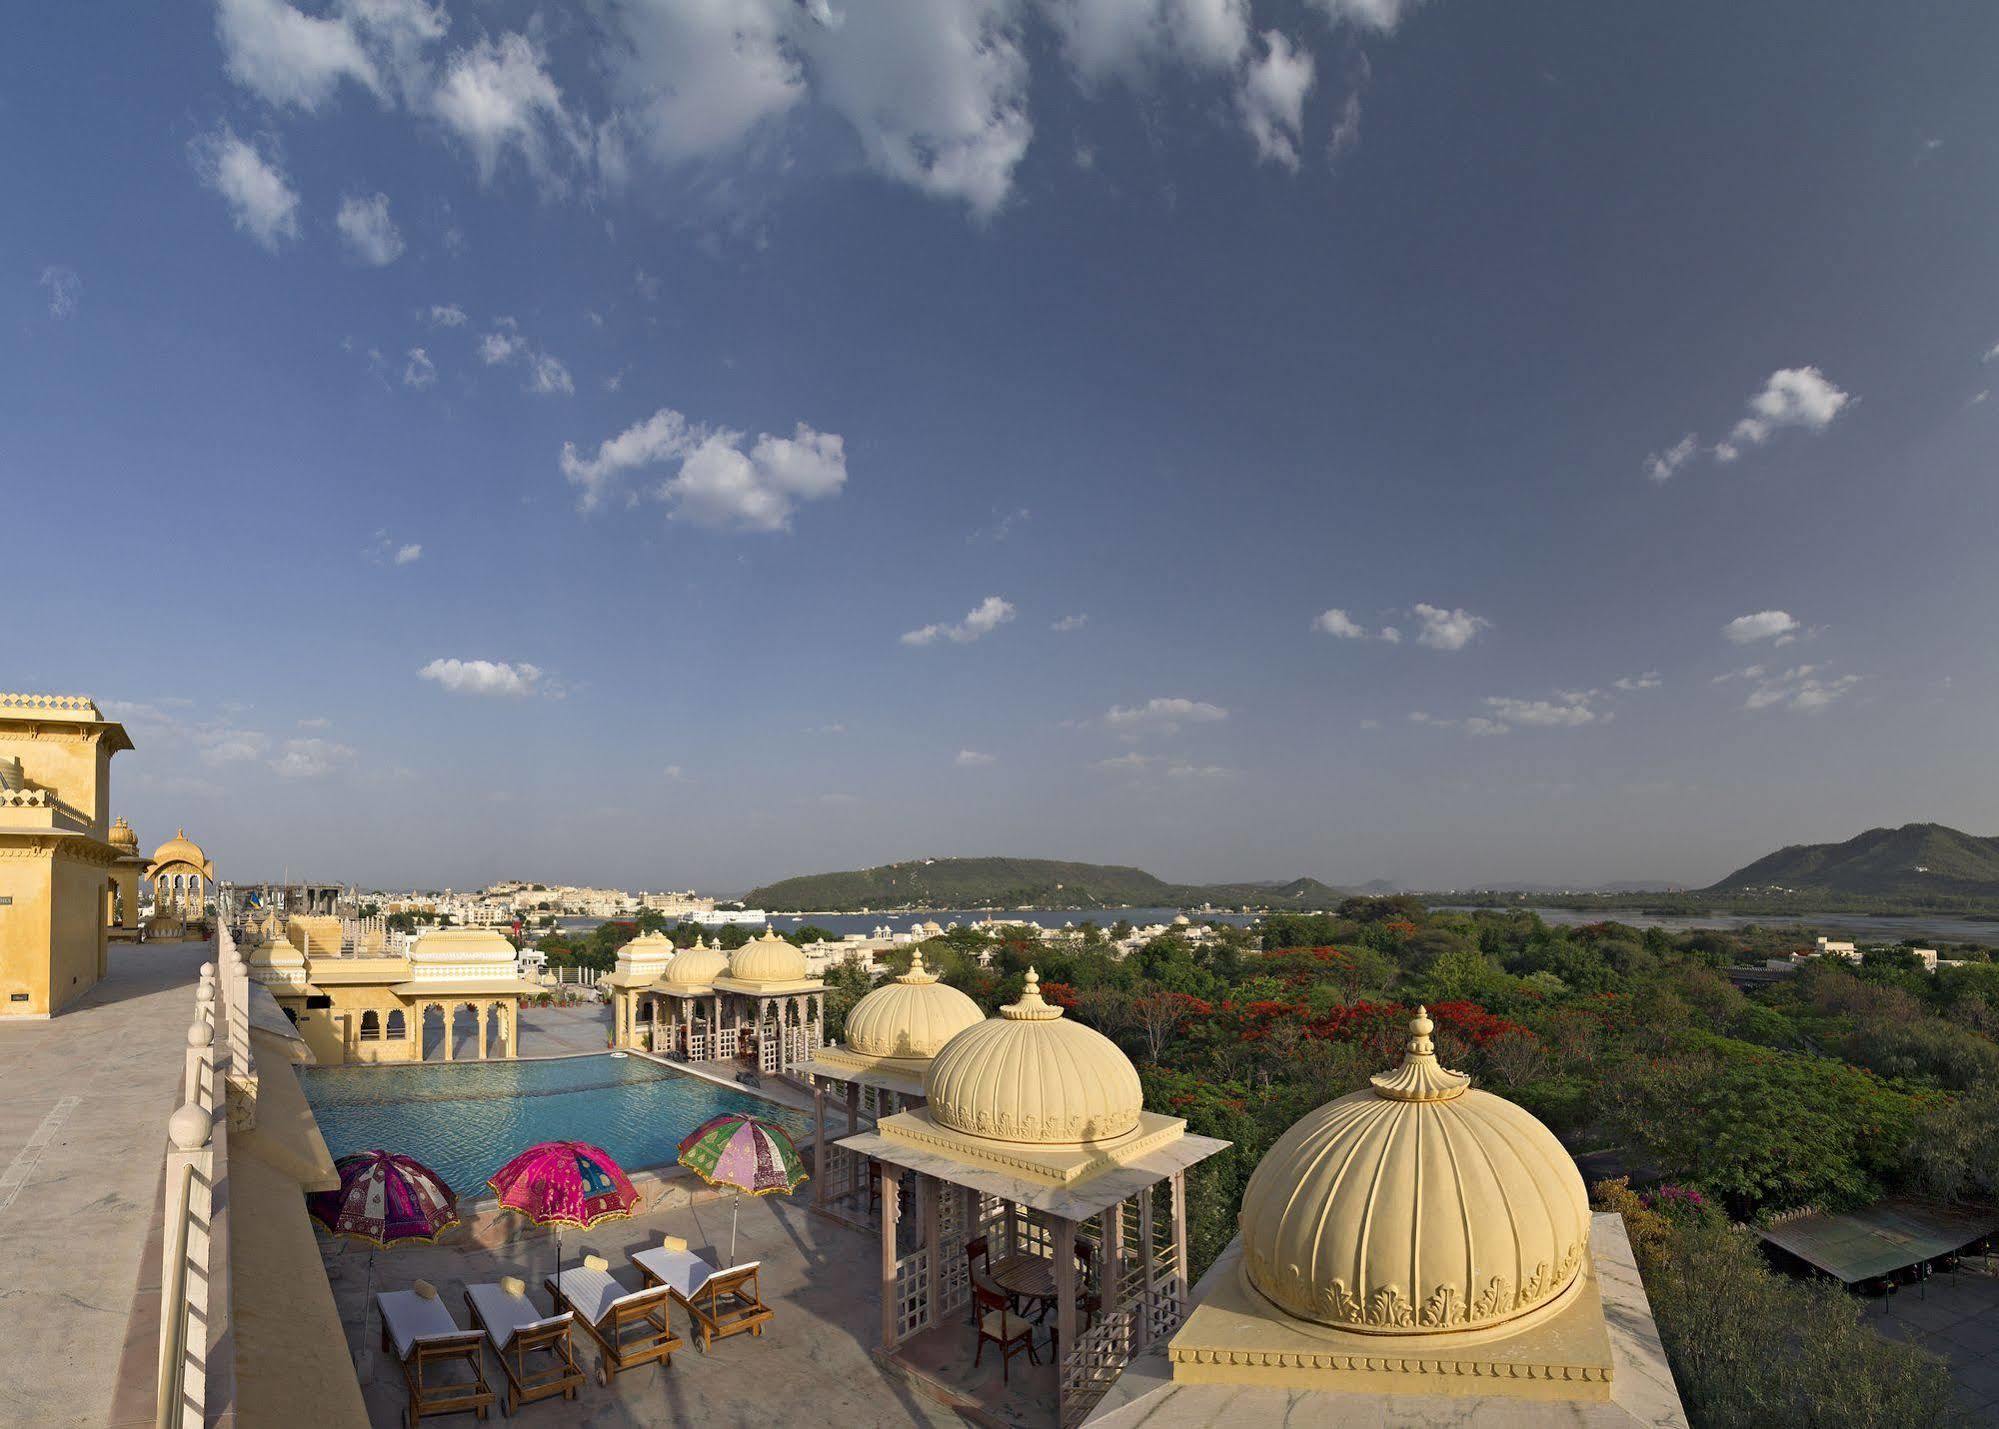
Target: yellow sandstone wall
52,935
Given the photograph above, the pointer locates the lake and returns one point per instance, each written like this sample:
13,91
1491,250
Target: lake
844,923
1863,926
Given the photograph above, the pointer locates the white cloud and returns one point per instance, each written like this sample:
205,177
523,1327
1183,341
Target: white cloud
420,371
371,235
1661,465
64,287
717,483
982,619
503,344
1345,137
1338,623
484,677
497,96
290,59
1447,629
1070,622
1163,714
1792,397
1800,690
1391,635
309,758
1650,680
1181,769
1126,38
549,377
973,759
1128,763
674,774
1567,711
447,315
409,554
1480,725
1382,15
1271,99
220,745
261,200
1763,625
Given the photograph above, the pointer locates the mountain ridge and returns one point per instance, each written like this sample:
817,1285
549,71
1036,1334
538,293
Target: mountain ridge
999,882
1912,861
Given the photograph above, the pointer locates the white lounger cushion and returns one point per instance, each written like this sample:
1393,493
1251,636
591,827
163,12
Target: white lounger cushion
682,1271
409,1317
593,1293
505,1316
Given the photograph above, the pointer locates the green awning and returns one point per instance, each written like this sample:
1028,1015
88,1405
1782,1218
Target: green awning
1861,1245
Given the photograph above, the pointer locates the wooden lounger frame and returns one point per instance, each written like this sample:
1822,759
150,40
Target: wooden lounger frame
449,1396
524,1384
654,1338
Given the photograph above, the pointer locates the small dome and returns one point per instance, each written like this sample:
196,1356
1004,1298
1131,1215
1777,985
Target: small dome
697,966
1418,1206
124,836
472,944
910,1018
647,953
180,849
1031,1075
768,959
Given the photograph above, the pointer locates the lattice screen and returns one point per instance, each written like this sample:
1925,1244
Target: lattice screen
913,1310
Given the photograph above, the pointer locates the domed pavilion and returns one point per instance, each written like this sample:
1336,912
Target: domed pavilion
180,874
702,1004
1034,1165
1416,1251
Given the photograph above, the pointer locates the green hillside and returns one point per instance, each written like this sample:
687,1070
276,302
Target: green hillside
1913,862
1017,883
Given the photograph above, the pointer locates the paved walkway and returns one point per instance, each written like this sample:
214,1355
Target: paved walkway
84,1101
1956,1316
563,1031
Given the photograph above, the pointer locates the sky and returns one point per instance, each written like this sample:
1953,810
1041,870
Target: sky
694,442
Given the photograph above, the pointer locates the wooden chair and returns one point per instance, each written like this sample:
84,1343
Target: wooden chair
631,1327
420,1333
524,1338
1000,1326
978,1266
720,1303
1089,1290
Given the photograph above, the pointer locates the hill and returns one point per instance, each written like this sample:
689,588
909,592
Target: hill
1916,861
1020,883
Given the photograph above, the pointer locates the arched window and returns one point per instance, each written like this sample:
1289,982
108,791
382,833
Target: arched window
396,1029
371,1027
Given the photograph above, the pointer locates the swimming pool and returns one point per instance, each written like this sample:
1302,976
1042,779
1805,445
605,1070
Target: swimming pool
465,1120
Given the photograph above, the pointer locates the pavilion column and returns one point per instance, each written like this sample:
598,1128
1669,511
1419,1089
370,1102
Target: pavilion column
1112,1258
854,1125
1064,1231
1147,1270
479,1014
449,1016
1180,1230
891,1186
818,1141
933,1241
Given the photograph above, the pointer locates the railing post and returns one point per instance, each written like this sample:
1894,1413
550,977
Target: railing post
198,1085
185,1276
204,993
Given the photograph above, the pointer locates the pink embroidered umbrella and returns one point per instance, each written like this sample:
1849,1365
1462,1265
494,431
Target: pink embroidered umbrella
565,1183
385,1199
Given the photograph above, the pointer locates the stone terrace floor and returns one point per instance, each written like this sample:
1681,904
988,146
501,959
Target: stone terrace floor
84,1102
1956,1316
812,1364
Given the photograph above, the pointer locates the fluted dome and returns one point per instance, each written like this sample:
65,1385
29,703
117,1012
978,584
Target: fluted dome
1031,1075
768,959
647,954
124,836
910,1018
697,966
180,849
1418,1206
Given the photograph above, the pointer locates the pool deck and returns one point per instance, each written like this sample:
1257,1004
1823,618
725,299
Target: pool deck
812,1365
84,1101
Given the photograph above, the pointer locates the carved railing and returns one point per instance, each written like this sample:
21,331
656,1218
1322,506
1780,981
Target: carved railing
1100,1354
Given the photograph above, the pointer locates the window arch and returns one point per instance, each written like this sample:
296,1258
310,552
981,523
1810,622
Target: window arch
397,1029
371,1027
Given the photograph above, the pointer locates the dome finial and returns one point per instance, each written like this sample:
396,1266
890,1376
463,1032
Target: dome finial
917,975
1031,1008
1420,1078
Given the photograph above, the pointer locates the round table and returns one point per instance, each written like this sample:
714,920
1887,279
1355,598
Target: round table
1031,1277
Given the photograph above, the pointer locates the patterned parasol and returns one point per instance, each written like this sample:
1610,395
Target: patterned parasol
565,1183
746,1152
385,1199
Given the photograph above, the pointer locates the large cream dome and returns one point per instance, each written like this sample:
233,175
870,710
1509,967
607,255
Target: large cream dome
697,966
1418,1206
1031,1075
768,959
910,1018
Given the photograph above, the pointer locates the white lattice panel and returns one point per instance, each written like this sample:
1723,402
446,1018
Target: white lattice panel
912,1295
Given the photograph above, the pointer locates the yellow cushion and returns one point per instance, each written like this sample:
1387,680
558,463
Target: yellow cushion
673,1242
513,1285
1002,1324
595,1262
425,1290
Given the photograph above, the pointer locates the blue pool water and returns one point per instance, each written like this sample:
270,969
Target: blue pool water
467,1120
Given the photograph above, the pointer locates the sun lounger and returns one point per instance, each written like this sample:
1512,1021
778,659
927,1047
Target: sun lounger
750,1079
721,1303
630,1327
534,1349
420,1332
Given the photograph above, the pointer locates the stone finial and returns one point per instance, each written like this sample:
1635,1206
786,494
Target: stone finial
1031,1008
1420,1078
190,1127
200,1034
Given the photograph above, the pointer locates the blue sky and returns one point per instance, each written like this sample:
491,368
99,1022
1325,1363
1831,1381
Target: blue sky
698,442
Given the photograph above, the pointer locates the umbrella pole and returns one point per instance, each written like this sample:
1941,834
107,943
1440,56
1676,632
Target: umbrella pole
735,1213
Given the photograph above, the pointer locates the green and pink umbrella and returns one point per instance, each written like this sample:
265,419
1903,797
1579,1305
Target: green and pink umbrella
565,1183
745,1152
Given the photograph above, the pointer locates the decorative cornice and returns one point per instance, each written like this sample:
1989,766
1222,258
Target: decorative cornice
1384,1309
1344,1361
11,701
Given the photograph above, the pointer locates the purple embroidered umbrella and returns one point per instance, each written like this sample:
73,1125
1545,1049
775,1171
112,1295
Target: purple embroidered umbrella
565,1183
385,1199
746,1152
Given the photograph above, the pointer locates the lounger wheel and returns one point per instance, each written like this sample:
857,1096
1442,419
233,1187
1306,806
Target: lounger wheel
603,1371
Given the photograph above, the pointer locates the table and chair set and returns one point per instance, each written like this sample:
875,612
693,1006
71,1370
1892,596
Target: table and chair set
1013,1296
